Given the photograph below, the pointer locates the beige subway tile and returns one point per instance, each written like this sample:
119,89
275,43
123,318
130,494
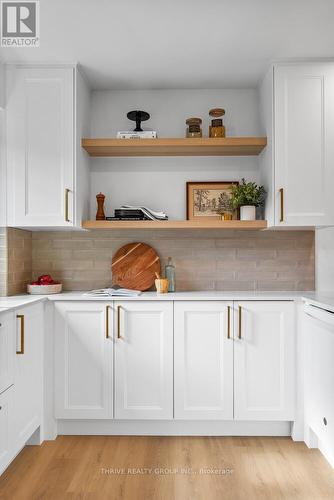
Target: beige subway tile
255,275
275,285
233,286
255,254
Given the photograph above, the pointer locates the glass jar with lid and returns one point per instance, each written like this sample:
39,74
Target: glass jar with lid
217,129
194,127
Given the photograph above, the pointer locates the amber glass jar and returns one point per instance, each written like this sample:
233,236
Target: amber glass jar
217,129
194,127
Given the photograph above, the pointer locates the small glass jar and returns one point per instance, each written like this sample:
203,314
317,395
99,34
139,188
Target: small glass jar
217,129
194,127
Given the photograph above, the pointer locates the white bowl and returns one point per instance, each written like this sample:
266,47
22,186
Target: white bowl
44,289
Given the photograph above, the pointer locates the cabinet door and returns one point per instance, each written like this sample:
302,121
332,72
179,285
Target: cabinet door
144,360
7,350
304,146
83,360
28,372
40,160
264,360
6,435
203,360
319,373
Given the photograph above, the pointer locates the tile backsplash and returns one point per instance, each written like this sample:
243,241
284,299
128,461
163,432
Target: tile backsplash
15,260
204,260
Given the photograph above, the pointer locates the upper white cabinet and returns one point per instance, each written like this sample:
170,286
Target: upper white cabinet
44,187
203,360
264,361
83,360
143,360
297,166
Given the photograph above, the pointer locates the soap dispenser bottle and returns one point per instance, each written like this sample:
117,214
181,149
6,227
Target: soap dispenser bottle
170,275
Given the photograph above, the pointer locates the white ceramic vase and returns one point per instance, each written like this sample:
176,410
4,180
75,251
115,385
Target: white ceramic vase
247,212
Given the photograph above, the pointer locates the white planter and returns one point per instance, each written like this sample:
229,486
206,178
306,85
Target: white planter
247,212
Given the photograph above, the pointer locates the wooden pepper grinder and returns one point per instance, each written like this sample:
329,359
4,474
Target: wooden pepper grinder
100,215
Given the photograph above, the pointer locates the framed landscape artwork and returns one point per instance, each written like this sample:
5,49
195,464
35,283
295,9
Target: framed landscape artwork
208,200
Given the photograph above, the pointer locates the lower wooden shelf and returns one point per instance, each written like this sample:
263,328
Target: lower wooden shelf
175,224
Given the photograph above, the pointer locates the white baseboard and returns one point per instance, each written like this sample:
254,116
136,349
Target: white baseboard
172,428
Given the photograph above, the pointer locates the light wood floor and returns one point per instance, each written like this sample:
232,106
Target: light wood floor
75,467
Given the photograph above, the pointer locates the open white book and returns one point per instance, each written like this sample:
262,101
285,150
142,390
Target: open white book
114,291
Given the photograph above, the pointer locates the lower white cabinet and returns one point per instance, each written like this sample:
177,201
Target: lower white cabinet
7,350
6,428
203,360
143,360
190,360
28,373
264,360
83,360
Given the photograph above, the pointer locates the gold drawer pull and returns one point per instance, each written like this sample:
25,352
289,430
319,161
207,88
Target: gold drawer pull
119,322
240,322
21,318
107,321
66,205
281,191
228,322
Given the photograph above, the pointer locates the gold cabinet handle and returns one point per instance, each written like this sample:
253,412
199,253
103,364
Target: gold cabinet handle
240,322
107,321
281,192
21,318
228,322
119,322
66,205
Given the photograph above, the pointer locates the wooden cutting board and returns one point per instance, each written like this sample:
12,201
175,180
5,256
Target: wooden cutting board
134,266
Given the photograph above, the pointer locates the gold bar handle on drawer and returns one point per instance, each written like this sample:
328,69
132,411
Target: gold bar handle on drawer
281,192
107,322
240,322
21,318
66,205
119,322
228,322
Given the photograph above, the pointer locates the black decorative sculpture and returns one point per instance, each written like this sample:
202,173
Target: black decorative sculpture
138,117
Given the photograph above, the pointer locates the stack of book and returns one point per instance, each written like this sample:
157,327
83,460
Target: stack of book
128,212
131,134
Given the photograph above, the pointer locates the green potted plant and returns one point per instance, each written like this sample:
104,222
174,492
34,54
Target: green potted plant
247,196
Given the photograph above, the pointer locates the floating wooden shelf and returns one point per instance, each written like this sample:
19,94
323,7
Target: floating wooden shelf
175,224
201,146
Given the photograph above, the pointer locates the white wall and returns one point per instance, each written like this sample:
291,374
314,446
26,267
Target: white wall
324,259
160,182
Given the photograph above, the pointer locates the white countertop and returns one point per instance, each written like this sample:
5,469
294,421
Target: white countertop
324,300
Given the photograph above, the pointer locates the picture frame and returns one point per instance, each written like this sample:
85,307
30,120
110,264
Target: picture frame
204,198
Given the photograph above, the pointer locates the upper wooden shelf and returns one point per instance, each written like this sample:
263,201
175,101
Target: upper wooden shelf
175,224
201,146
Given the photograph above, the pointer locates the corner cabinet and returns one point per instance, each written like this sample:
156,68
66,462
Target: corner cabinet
297,166
43,121
143,360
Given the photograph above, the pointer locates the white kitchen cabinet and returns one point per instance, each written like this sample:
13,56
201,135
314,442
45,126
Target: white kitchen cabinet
7,350
318,335
83,360
264,360
44,188
143,360
297,166
6,428
203,360
28,373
